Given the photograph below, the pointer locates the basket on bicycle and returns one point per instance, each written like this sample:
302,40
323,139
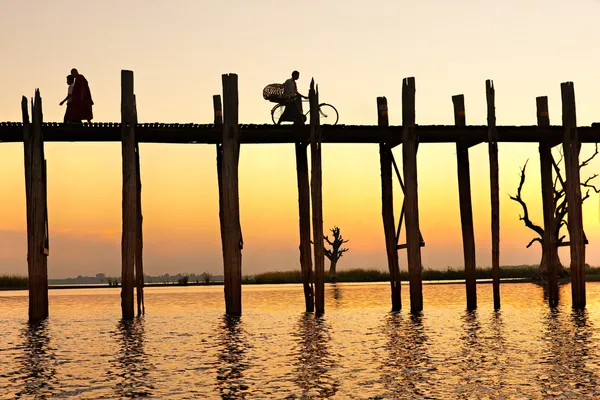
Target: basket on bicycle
274,93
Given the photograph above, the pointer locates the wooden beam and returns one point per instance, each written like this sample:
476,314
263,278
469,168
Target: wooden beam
549,245
231,228
304,223
571,148
409,166
490,94
317,198
387,207
466,211
36,203
130,209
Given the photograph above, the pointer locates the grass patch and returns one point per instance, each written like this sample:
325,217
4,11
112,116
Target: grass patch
13,282
374,275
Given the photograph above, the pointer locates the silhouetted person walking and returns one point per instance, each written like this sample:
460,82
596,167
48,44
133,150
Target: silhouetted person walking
70,82
81,99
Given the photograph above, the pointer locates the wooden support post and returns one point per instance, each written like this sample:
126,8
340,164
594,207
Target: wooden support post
231,228
387,207
549,246
139,248
571,148
411,199
218,121
490,94
317,197
466,211
130,209
304,221
36,203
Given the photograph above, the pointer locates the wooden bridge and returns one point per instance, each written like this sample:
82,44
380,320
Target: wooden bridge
227,134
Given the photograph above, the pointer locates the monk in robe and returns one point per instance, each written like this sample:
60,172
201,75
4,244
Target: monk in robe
81,99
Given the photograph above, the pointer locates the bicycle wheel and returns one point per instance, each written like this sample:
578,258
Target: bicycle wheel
276,112
328,114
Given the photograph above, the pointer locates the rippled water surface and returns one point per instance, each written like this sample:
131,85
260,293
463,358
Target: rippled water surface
185,348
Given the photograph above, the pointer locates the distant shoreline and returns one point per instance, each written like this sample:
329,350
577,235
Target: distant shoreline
176,285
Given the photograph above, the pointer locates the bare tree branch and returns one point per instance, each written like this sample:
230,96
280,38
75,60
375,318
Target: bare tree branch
519,199
586,162
533,241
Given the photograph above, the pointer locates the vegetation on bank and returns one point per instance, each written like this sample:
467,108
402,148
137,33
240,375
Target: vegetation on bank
13,282
374,275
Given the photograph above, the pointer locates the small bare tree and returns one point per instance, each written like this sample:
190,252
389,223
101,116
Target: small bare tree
336,251
559,215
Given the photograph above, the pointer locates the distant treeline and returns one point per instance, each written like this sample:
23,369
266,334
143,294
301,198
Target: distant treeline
374,275
295,276
13,281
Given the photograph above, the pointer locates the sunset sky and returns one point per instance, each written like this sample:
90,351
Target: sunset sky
356,51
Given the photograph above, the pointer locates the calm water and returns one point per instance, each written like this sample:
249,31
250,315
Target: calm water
185,348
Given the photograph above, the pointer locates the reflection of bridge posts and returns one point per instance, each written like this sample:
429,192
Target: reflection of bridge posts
37,362
232,358
315,362
132,364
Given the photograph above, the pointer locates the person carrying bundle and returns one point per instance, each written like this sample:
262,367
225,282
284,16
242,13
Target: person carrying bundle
293,105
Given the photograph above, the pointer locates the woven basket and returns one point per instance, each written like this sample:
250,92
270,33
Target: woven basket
274,93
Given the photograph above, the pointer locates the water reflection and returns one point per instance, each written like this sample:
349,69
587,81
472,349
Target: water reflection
473,355
406,368
232,347
37,373
313,371
337,294
568,342
131,368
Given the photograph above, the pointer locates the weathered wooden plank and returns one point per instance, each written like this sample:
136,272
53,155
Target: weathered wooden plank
231,228
36,204
549,245
387,207
218,121
466,211
267,134
317,197
129,203
304,222
411,199
490,94
571,148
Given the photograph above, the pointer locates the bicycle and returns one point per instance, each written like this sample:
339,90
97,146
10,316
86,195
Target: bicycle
328,113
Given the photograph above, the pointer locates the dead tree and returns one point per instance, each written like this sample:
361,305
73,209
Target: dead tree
335,252
559,216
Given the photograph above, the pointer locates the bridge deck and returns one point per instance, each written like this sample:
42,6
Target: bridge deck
269,133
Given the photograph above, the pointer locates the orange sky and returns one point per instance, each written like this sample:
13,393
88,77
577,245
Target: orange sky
355,50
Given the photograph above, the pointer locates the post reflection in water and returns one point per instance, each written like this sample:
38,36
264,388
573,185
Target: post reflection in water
337,294
37,374
473,356
313,370
568,340
232,345
131,368
406,368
